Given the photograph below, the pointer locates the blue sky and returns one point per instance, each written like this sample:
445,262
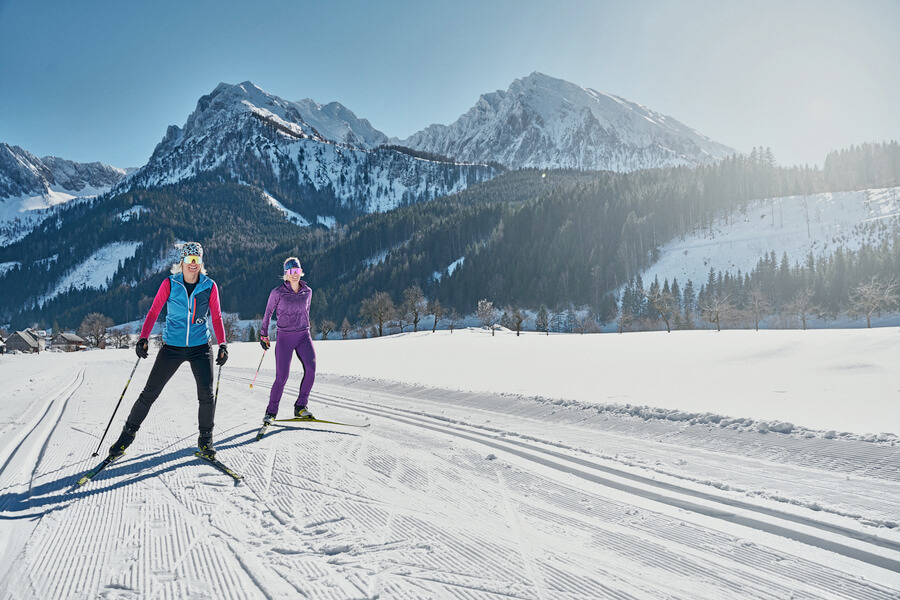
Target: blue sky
101,81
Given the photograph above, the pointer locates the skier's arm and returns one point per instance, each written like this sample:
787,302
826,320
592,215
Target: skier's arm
215,312
271,305
162,296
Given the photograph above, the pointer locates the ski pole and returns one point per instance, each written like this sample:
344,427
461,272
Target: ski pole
97,452
257,369
218,379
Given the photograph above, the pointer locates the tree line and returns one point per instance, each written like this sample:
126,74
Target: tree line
557,238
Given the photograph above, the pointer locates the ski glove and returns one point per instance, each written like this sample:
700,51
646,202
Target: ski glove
264,342
141,348
223,355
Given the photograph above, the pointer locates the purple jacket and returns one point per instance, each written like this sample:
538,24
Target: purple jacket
291,309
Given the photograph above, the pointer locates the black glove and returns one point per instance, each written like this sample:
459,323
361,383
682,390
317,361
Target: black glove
223,355
141,348
264,342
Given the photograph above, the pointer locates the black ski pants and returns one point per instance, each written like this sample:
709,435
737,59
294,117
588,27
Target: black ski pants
167,362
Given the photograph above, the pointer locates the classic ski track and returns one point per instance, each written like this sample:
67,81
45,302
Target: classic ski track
666,492
79,379
491,439
66,389
332,496
209,528
536,578
800,572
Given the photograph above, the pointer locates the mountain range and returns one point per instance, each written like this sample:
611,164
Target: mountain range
323,162
467,211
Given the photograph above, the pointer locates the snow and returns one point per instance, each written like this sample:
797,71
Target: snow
292,216
493,467
94,272
328,222
134,212
437,275
8,266
780,225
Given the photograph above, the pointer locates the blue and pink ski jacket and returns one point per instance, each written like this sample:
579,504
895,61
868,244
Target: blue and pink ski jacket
187,317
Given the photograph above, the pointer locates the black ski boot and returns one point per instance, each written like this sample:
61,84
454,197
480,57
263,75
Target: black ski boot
125,439
205,443
300,412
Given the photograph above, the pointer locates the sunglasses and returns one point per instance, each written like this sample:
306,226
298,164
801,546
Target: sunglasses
297,271
193,260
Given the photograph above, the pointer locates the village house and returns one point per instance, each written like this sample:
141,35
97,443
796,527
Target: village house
67,342
25,341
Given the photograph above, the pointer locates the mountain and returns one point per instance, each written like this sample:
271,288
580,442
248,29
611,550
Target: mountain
29,184
543,122
320,162
336,122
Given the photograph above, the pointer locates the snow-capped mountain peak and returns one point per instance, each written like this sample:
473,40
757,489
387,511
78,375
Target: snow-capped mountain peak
29,185
338,123
320,161
544,122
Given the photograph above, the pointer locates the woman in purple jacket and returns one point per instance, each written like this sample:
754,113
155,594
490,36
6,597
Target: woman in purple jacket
290,304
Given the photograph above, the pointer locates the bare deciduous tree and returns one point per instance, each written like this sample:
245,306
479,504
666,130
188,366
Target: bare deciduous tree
121,336
230,323
453,320
802,305
95,329
378,310
487,314
413,305
346,328
664,302
326,327
716,309
758,305
435,308
873,296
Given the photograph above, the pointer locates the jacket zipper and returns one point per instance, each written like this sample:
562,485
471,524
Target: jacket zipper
190,298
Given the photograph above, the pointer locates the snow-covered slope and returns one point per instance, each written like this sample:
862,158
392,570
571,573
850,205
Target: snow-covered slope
94,272
469,492
545,122
796,225
30,185
336,122
262,140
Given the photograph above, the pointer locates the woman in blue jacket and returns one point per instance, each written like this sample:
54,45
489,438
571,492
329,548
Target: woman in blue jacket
192,301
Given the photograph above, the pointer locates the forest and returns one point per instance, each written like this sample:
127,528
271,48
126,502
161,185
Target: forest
565,240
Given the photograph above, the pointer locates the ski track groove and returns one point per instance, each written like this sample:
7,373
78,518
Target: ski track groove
321,533
668,557
462,430
529,561
841,580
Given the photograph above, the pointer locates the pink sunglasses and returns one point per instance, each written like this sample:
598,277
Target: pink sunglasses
293,271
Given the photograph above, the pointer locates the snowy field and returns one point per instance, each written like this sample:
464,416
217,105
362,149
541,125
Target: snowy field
693,465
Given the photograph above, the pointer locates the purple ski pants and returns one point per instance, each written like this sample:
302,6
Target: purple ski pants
286,344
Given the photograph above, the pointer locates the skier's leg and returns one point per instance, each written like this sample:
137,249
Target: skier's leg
307,355
283,351
201,359
167,362
168,359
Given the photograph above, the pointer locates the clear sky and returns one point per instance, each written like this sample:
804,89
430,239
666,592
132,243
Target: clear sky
101,80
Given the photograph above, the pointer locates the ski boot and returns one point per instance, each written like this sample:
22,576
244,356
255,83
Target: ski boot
205,443
125,439
300,412
269,419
